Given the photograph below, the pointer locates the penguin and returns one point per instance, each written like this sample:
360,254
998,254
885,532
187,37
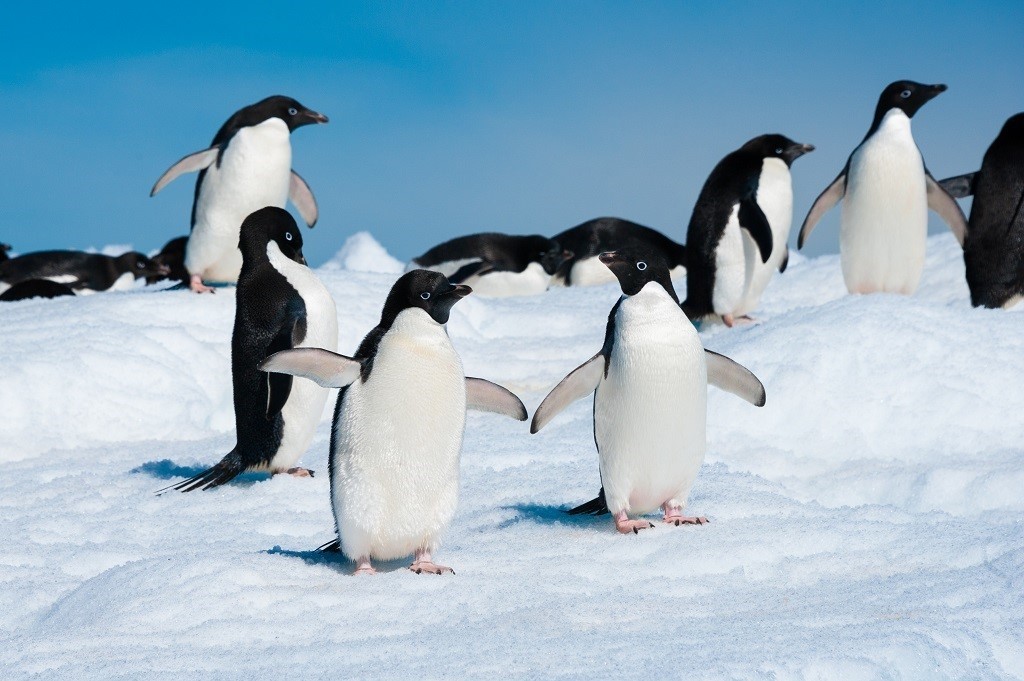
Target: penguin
84,272
247,166
649,381
721,260
398,424
589,239
774,195
886,191
173,256
496,264
4,249
280,304
994,244
36,288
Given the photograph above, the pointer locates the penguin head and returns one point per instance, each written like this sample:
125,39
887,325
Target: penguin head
1012,133
545,251
141,266
778,146
293,114
427,290
271,224
907,96
3,252
635,268
173,256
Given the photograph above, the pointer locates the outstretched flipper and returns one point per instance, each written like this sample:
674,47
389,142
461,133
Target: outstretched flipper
326,368
733,377
940,201
471,270
753,220
596,506
226,470
961,186
302,196
828,198
486,396
190,164
579,383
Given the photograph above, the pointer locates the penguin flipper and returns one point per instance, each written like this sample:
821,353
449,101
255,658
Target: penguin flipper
302,196
961,186
940,201
735,378
579,383
226,470
333,546
596,506
326,368
471,270
785,260
190,164
828,198
753,220
483,395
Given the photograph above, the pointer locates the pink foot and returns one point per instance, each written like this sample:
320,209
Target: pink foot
728,320
624,525
195,283
363,567
421,563
674,516
300,472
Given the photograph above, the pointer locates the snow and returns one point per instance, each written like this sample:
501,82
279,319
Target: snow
866,523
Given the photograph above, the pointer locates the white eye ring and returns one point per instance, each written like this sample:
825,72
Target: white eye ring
779,150
905,94
140,264
288,236
292,111
641,266
425,295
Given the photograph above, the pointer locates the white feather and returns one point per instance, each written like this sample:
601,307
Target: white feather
730,267
531,281
775,197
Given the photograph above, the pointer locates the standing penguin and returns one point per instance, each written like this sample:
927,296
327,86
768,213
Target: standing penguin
280,304
398,424
650,397
886,192
248,166
994,246
720,260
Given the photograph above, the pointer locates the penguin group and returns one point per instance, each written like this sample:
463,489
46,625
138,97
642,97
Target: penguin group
400,412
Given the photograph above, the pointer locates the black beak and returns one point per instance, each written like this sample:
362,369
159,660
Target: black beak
798,150
567,255
163,270
315,117
936,90
459,291
609,257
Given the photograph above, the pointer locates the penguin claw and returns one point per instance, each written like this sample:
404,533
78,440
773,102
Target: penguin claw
678,520
626,526
300,472
421,566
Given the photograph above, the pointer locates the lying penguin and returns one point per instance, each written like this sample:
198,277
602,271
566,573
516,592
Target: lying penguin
650,397
590,239
398,424
496,264
83,272
35,288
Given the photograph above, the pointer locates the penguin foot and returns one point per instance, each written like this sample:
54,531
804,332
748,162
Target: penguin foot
300,472
624,525
674,516
421,566
742,320
363,567
195,283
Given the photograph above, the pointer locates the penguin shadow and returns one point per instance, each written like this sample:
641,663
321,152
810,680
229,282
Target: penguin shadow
165,469
338,560
546,515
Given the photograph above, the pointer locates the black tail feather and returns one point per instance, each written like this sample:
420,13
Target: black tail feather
596,506
333,546
225,471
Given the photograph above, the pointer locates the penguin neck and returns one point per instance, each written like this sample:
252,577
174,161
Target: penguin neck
891,119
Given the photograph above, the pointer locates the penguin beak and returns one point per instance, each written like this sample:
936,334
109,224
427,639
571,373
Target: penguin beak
315,117
566,255
163,270
798,150
460,291
936,90
609,258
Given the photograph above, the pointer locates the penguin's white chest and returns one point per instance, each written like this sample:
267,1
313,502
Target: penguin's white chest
775,197
306,400
884,222
531,281
398,436
254,172
650,410
730,267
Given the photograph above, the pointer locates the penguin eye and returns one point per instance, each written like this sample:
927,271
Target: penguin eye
778,150
425,295
292,111
905,94
140,264
288,236
641,266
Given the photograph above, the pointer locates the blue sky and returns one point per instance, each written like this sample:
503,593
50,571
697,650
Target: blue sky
451,118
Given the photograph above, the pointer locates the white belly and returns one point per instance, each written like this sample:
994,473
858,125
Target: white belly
395,468
593,272
730,268
254,173
306,400
531,281
775,197
447,268
884,223
650,411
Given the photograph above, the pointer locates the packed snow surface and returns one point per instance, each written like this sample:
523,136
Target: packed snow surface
866,523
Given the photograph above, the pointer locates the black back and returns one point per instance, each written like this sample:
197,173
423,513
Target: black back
906,95
4,248
171,256
593,237
92,270
994,245
294,115
502,252
36,288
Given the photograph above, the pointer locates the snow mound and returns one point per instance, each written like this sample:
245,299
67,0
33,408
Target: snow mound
362,253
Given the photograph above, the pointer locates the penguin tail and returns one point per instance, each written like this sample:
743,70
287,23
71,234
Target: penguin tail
596,506
225,471
333,546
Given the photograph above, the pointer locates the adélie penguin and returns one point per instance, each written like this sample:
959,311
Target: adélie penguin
721,259
280,305
886,192
994,245
588,240
398,424
84,272
650,383
246,167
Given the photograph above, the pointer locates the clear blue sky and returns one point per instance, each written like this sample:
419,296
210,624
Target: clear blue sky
450,118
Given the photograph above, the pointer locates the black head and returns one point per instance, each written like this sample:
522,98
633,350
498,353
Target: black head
907,96
270,224
3,252
141,266
546,251
777,146
1012,132
293,114
430,291
636,268
173,256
